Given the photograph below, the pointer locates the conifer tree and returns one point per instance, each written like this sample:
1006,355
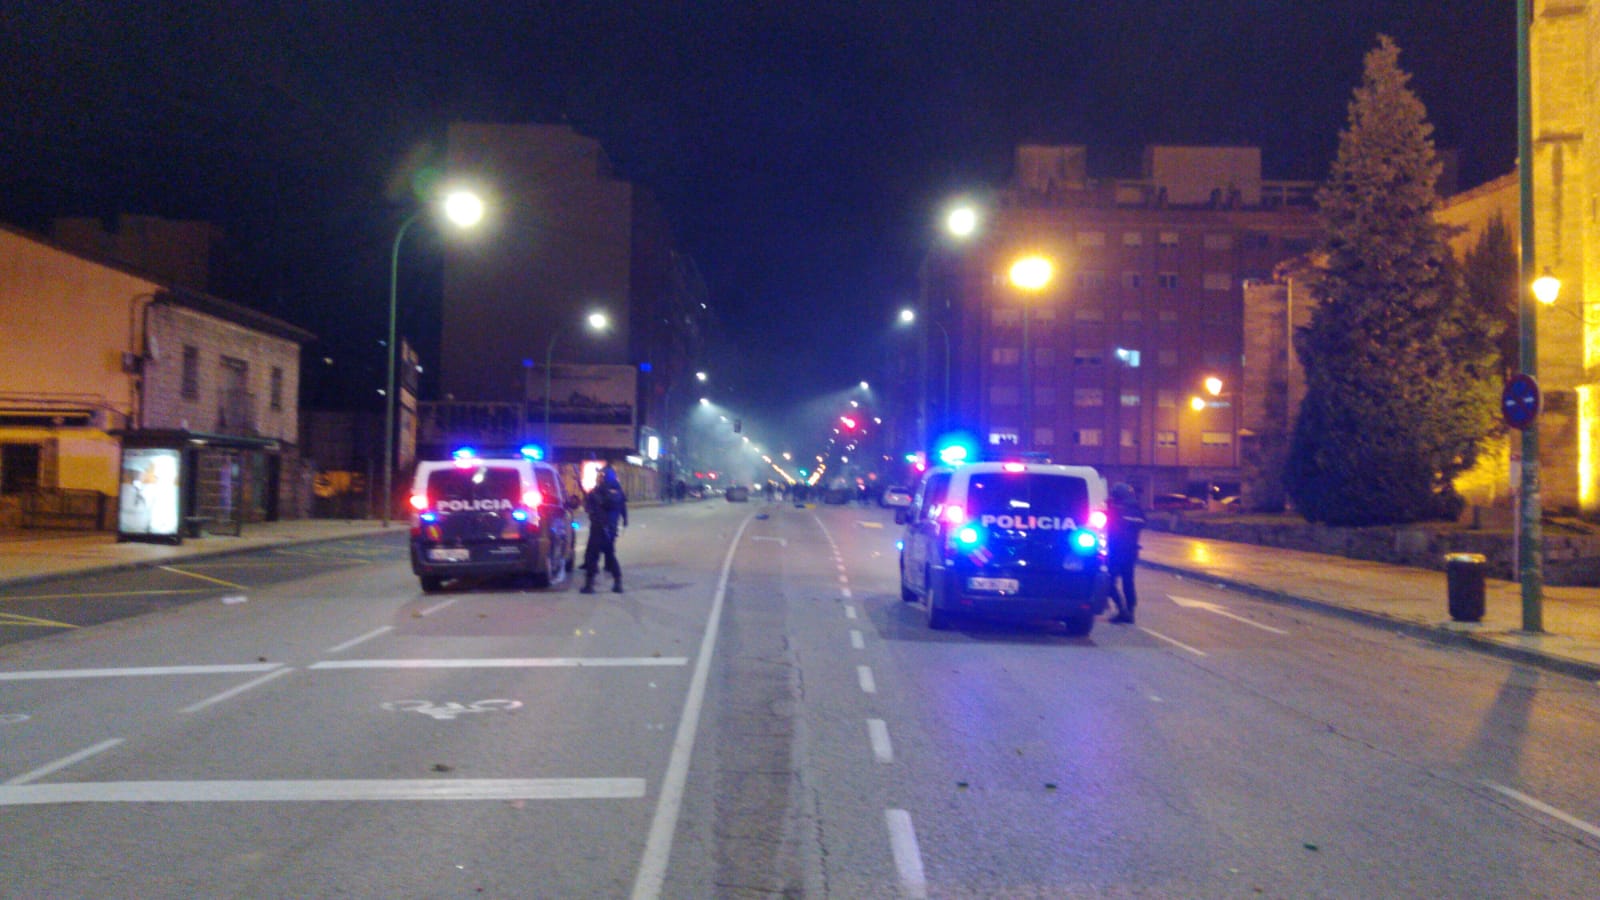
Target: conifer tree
1400,367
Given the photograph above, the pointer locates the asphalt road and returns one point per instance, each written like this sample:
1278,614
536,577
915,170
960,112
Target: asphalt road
760,715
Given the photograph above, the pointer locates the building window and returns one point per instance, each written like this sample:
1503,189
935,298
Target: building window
1219,242
1088,313
1132,315
1166,399
1167,280
277,387
191,372
1092,280
1088,397
1044,396
1003,437
1166,439
1086,437
1044,357
1169,315
1091,239
1131,398
1133,280
19,468
1169,238
1043,314
1216,438
1130,438
1044,437
1008,316
1217,281
1086,357
1004,395
1132,238
1167,358
1005,356
1129,358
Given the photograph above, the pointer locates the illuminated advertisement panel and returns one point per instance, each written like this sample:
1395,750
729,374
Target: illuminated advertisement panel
148,504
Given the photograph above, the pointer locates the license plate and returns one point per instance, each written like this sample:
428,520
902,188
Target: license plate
1005,585
450,554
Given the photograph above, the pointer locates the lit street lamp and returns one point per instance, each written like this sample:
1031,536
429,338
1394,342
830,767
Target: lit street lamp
597,322
908,316
463,209
1030,274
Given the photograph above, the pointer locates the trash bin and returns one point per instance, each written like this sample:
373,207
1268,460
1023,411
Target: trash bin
1464,575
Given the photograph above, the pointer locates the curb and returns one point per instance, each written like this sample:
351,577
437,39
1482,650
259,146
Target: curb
1430,633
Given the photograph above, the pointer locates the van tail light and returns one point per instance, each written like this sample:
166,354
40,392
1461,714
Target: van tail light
1097,519
532,499
953,515
419,502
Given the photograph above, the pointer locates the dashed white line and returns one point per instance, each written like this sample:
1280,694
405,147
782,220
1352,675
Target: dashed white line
539,662
62,763
856,640
907,856
878,734
340,648
1547,809
137,672
849,611
234,692
438,606
1176,643
864,675
845,593
340,791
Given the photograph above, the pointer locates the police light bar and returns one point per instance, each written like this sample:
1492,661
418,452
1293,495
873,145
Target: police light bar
532,451
1014,467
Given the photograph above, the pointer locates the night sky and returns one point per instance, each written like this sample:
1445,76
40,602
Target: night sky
801,150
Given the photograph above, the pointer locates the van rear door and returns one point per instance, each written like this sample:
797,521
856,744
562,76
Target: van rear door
474,504
1029,516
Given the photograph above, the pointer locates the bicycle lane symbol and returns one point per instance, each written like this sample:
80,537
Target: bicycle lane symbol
449,711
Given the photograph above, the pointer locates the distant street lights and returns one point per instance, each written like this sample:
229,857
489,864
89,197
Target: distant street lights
464,209
1031,275
597,322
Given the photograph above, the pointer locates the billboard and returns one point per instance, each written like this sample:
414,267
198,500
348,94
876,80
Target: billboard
148,505
590,406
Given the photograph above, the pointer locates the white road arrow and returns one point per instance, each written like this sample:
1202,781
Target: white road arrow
782,542
1220,610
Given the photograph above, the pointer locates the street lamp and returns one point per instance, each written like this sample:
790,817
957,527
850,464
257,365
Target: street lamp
1030,274
908,316
597,322
1530,539
463,209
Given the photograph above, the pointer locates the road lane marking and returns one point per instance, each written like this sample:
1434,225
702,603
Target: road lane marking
870,524
878,734
856,641
65,761
1176,643
1221,610
782,542
849,611
337,791
658,847
537,662
100,595
177,571
140,672
236,691
340,648
845,593
1547,809
30,621
907,856
438,606
864,676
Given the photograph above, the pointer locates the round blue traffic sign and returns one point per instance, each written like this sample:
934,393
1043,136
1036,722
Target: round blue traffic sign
1519,402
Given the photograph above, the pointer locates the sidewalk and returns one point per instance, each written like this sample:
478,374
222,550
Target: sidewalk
1414,601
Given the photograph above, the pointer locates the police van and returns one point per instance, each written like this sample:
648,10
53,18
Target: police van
1022,541
477,516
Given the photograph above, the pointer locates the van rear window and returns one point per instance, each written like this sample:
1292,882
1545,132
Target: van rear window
1006,493
478,483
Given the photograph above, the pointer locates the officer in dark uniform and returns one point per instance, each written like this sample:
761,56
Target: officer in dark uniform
607,506
1124,520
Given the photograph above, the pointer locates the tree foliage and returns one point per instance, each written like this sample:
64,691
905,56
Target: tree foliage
1400,367
1490,270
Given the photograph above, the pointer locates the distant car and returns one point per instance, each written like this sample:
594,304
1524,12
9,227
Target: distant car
737,494
1176,502
896,497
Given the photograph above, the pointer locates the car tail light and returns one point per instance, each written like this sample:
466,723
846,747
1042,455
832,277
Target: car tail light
419,502
1097,519
953,515
532,499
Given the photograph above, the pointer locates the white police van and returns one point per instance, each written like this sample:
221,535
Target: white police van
477,516
1022,541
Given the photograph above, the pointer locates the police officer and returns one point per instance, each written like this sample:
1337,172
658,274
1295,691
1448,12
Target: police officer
1124,519
607,506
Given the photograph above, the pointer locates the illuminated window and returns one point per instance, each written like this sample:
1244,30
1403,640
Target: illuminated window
1216,438
1131,398
1003,437
1130,438
1166,439
1088,397
1132,238
1169,239
1086,437
1005,356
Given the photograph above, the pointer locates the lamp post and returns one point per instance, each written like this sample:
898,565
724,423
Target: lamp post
1030,274
464,209
908,316
1530,540
1217,397
597,321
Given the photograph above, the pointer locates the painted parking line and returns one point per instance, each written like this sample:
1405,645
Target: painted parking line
31,622
545,662
1546,808
137,672
236,691
64,762
336,791
177,571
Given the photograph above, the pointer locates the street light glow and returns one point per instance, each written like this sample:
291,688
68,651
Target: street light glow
1032,273
1213,385
1546,288
962,221
907,316
599,321
464,208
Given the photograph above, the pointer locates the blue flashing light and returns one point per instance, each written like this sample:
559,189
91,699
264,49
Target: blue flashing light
967,535
953,455
1085,541
533,452
464,454
429,517
644,367
577,526
899,545
521,515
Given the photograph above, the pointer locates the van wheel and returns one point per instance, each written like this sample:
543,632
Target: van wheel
938,619
431,584
1079,625
546,576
